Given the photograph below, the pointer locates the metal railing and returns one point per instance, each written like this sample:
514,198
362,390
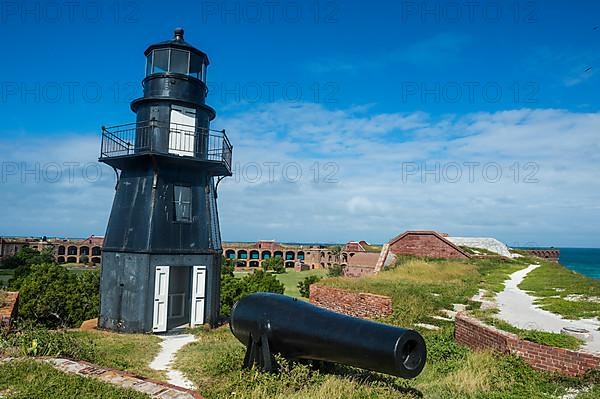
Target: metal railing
160,138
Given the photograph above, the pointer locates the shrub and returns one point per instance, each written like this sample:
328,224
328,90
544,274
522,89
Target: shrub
232,288
55,297
275,264
335,270
304,285
28,339
23,261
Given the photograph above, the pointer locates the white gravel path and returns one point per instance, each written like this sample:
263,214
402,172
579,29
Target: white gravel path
172,342
517,308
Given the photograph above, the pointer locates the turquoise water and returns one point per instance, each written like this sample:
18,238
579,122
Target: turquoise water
582,260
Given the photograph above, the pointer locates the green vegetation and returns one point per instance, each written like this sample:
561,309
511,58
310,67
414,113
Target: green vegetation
127,352
291,279
563,291
5,276
304,285
213,364
51,295
336,270
25,379
275,264
30,340
420,289
540,337
233,288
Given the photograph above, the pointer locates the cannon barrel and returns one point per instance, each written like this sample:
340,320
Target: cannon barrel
271,323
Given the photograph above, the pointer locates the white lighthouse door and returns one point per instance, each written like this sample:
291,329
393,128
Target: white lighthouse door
182,134
161,299
198,295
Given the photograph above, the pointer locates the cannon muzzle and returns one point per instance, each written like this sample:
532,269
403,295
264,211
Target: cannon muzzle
271,323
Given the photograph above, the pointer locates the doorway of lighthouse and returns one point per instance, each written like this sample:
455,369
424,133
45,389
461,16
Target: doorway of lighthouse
182,131
179,297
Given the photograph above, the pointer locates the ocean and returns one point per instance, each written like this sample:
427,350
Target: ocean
582,260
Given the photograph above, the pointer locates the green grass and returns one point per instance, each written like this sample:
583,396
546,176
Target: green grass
291,278
563,291
5,275
540,337
419,290
27,379
126,352
214,361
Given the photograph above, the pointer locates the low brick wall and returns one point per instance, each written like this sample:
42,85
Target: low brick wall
477,335
358,271
351,303
8,312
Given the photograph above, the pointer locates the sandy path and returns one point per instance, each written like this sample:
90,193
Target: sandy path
517,308
163,361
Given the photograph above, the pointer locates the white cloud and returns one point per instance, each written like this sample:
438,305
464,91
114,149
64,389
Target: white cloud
353,184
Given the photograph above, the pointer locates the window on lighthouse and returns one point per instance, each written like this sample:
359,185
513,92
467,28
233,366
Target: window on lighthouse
183,204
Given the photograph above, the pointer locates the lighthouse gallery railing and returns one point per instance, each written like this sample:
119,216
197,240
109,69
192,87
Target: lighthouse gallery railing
175,139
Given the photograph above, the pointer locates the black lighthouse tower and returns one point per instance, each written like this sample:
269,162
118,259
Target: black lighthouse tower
162,250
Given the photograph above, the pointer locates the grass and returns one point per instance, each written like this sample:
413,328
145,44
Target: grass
540,337
214,361
291,278
5,275
419,289
127,352
25,379
563,291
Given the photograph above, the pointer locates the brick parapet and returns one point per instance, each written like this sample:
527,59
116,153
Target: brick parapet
356,304
477,335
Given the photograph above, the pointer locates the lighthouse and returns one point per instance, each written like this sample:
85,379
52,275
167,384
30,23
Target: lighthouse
162,250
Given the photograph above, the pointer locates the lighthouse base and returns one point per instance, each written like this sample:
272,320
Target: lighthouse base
144,292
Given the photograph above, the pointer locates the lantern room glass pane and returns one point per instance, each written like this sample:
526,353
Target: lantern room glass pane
161,61
196,66
180,61
149,63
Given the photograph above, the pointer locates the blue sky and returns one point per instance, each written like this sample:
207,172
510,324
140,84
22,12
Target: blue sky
373,95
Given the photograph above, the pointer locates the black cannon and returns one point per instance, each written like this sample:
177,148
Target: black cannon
271,323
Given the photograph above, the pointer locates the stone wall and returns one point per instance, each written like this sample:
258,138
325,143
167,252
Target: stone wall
477,335
360,263
351,303
8,309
